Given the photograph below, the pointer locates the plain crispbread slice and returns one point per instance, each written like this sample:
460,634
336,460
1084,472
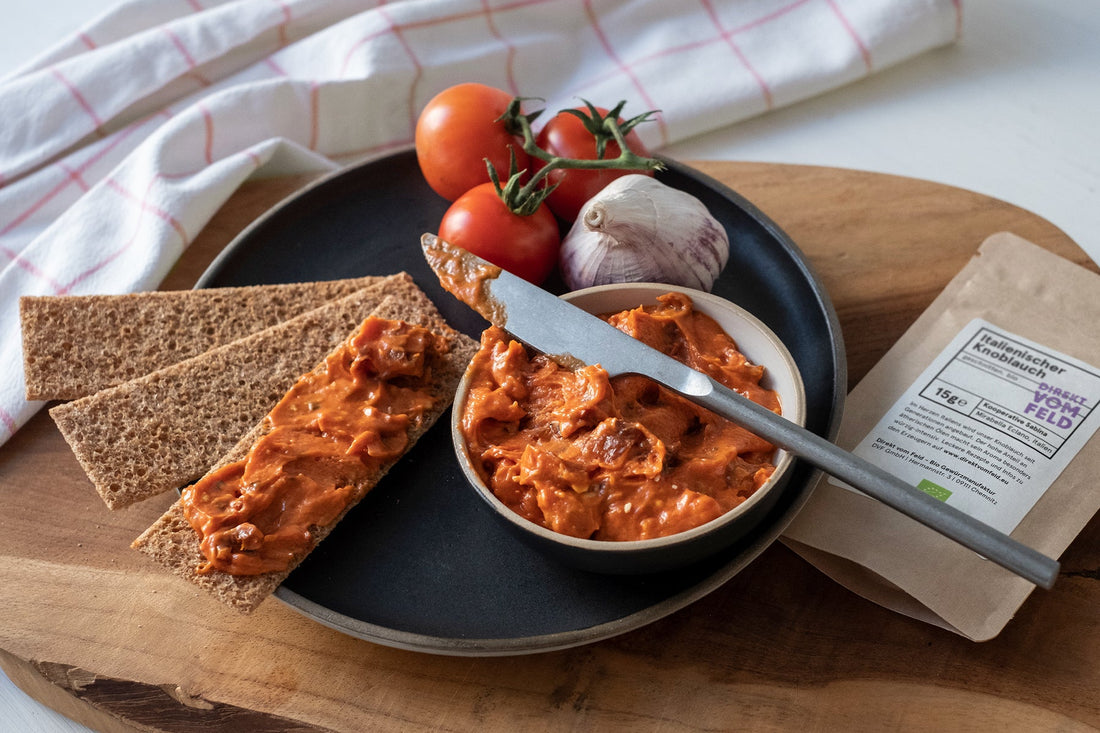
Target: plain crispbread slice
76,345
163,430
172,542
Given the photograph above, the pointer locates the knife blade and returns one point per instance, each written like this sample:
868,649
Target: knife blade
574,337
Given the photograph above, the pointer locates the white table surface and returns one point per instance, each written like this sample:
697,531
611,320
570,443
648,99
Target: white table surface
1011,111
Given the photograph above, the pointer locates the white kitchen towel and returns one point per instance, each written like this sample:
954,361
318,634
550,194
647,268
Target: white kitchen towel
120,143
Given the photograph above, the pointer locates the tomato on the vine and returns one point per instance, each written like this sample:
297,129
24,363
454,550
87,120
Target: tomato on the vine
481,223
565,136
457,130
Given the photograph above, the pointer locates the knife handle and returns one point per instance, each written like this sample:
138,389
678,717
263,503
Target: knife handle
877,483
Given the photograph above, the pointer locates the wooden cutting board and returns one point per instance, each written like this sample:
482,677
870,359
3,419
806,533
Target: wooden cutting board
91,629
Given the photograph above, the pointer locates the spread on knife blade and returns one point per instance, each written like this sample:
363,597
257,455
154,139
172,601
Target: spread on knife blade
464,276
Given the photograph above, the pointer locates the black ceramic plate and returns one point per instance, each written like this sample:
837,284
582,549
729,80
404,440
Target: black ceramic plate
421,563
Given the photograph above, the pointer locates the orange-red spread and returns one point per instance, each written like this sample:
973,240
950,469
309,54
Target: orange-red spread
615,458
464,276
325,442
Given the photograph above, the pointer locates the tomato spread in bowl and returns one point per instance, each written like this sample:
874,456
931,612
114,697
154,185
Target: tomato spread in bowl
603,463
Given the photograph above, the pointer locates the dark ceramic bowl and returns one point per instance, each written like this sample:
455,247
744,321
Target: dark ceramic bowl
760,346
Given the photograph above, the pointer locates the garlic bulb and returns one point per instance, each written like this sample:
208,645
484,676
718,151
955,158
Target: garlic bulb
638,229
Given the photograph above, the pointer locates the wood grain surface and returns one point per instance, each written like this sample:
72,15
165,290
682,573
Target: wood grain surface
91,629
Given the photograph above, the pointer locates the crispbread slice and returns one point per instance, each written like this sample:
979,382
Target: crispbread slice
163,430
76,345
172,542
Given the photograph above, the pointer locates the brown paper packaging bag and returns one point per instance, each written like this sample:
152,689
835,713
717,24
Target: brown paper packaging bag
898,563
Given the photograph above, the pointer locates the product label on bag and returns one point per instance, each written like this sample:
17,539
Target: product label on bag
989,425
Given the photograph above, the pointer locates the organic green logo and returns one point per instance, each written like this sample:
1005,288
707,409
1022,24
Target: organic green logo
934,490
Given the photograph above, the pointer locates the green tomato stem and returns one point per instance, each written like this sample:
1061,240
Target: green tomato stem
525,199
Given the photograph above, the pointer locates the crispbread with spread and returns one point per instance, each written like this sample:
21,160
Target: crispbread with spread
76,345
171,540
163,430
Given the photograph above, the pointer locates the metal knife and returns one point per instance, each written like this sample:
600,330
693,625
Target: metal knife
574,337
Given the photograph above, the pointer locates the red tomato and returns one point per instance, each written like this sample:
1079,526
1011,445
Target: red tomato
565,137
457,131
480,223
